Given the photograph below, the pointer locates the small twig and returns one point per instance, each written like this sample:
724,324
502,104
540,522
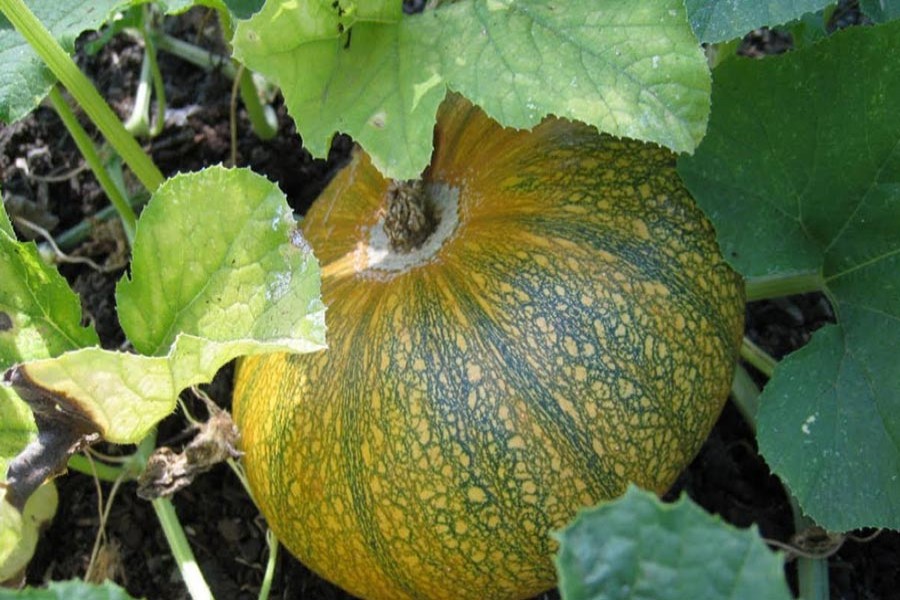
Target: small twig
60,255
104,510
65,176
96,454
864,539
793,551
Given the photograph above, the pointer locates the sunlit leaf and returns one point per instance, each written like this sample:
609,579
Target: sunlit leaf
631,69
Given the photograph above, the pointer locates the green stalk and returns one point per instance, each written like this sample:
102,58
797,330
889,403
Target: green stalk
812,573
271,540
181,550
757,357
262,117
775,286
195,55
86,147
103,471
266,587
84,92
138,122
745,394
174,532
76,234
159,87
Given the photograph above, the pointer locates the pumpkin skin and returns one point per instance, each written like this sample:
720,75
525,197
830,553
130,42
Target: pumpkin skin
575,331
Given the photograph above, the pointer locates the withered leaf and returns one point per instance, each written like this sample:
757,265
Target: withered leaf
168,471
63,429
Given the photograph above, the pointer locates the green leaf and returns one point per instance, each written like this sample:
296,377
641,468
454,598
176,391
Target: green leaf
40,316
24,80
801,174
17,427
639,547
174,7
243,9
881,11
19,531
5,225
217,255
631,69
69,590
721,20
219,270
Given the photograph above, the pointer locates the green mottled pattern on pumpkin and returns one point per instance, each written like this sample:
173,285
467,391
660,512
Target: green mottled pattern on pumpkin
575,333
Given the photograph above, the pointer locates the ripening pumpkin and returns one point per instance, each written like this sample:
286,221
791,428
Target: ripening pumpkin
545,318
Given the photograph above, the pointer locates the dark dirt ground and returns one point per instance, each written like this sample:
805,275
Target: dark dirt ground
39,168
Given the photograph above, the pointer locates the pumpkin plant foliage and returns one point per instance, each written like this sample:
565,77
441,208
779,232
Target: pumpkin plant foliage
69,590
801,174
881,11
25,80
639,547
631,69
219,270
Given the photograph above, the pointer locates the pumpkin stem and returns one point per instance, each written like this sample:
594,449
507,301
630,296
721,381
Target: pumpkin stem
410,217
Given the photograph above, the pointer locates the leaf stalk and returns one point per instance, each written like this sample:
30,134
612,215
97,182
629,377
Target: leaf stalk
757,357
783,284
262,117
87,150
181,549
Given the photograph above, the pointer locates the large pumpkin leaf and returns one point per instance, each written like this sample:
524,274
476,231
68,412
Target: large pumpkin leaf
24,80
632,69
720,20
801,174
639,547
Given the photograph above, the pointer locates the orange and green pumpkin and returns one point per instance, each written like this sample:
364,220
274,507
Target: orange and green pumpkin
566,328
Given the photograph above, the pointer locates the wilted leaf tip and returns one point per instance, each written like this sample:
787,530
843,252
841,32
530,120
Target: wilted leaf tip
63,429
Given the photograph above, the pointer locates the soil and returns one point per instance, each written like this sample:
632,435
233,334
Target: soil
43,179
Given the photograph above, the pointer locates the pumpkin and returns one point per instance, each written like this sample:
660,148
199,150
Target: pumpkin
564,326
